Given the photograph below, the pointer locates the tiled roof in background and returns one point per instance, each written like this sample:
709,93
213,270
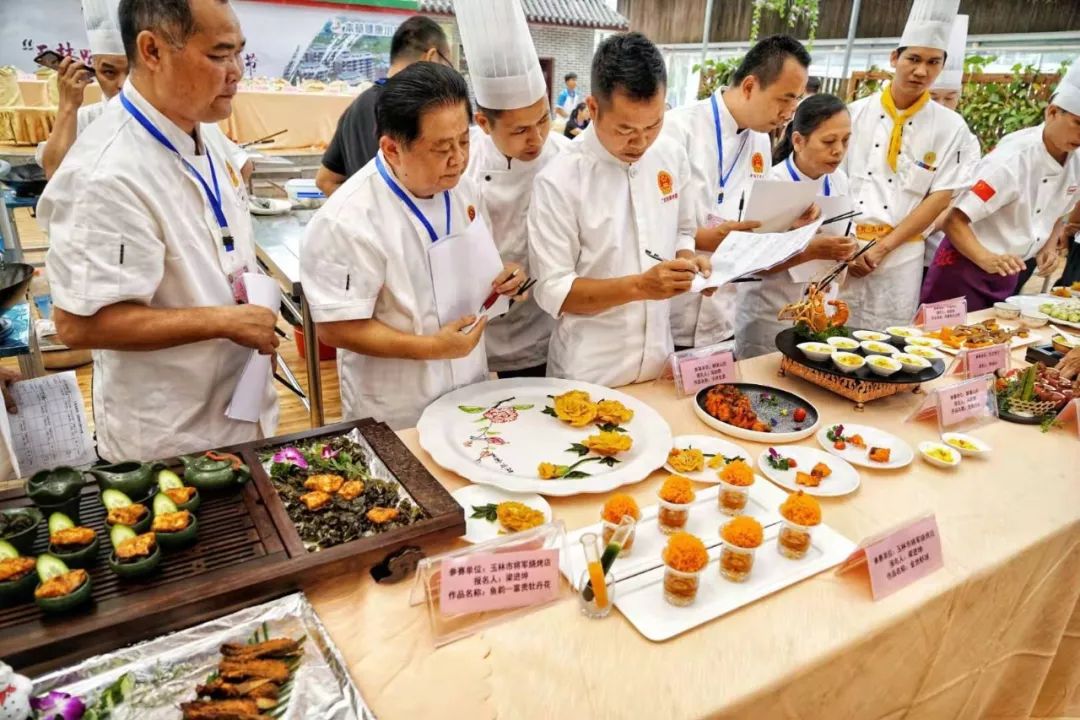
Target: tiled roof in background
575,13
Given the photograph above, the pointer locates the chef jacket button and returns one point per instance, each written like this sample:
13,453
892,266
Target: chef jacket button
1045,181
633,172
886,207
488,178
1037,211
882,117
890,179
877,145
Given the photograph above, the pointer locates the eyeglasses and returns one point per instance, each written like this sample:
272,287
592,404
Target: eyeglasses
446,61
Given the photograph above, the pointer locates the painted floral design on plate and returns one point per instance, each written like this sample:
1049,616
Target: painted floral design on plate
488,438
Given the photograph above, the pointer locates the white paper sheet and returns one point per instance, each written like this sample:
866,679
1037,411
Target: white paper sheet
830,207
462,268
247,399
742,254
49,428
777,204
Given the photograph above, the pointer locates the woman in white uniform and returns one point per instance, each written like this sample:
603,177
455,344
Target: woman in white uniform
812,149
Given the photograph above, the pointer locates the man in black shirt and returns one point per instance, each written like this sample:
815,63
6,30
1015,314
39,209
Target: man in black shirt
356,140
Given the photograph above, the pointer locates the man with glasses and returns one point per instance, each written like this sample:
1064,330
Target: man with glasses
356,140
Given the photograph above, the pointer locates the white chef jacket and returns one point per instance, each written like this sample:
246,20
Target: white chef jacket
972,154
935,137
519,339
758,303
1019,192
128,223
364,255
594,216
85,115
697,320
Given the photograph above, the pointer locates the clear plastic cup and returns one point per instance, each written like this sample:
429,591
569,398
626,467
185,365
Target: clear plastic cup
609,531
736,562
732,499
681,588
793,541
672,517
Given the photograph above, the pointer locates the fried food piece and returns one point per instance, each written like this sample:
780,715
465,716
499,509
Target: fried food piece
821,470
351,490
727,404
72,538
137,547
880,455
272,648
180,495
61,585
171,522
380,515
807,479
128,515
315,500
238,709
261,689
16,567
274,670
324,483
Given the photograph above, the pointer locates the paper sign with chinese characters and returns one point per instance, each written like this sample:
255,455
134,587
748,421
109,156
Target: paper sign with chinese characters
962,402
934,316
982,361
496,581
700,372
900,556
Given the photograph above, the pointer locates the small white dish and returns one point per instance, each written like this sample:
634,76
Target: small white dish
924,352
928,446
478,530
912,363
1006,311
843,343
818,352
1034,319
903,332
926,342
847,362
966,444
883,365
874,347
870,335
710,445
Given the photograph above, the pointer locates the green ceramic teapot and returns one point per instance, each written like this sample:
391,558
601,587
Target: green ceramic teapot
134,479
56,490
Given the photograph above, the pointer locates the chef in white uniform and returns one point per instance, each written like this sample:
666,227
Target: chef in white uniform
149,236
947,92
811,152
511,143
611,227
727,140
364,260
1021,190
905,161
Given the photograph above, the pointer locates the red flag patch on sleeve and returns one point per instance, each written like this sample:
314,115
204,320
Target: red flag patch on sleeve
983,190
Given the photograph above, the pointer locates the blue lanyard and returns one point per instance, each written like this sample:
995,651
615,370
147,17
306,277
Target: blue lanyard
212,196
720,150
796,178
410,204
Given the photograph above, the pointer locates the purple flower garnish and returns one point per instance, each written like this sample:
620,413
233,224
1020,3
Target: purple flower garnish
290,456
773,422
329,453
59,705
773,453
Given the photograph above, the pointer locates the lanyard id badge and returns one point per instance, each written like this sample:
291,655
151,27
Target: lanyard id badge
407,201
720,151
795,176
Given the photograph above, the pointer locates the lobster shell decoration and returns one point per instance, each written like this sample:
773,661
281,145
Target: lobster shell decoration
812,311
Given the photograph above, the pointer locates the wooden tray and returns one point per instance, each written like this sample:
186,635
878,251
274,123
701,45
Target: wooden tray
444,515
239,559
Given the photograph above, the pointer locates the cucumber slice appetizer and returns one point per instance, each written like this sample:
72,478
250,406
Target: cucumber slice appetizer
59,521
168,480
113,499
119,534
49,566
7,550
163,504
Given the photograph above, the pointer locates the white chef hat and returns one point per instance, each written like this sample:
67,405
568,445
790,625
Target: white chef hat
102,19
952,77
930,23
1067,95
503,66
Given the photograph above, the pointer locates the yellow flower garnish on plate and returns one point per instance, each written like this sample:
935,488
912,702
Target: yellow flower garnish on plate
576,408
613,412
548,471
608,443
686,459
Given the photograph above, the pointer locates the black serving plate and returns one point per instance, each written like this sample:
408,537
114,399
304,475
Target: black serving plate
768,410
788,340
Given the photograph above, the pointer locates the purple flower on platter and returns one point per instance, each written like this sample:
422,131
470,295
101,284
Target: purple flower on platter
496,441
290,456
773,453
329,453
58,705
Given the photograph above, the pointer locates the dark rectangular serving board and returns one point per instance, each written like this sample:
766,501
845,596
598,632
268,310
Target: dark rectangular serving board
248,551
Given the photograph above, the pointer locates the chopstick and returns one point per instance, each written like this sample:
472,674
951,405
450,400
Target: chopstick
842,216
841,267
525,287
260,141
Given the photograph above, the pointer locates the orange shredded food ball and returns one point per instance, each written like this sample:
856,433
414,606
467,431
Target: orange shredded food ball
686,553
743,531
737,473
801,509
618,505
677,489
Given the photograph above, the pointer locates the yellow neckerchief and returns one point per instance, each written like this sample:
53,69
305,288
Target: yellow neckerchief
899,118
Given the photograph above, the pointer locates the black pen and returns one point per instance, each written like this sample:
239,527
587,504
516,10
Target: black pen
742,199
847,232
